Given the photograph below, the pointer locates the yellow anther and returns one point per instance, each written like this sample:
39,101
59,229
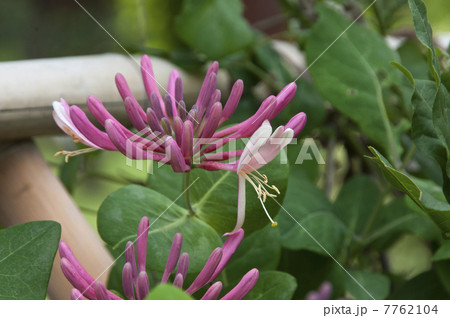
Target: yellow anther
265,178
274,224
275,189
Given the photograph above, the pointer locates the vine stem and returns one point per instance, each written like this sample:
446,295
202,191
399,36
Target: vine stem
409,155
261,74
141,10
393,155
375,212
329,167
186,189
362,238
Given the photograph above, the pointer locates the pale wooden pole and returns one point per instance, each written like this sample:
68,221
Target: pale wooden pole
29,87
29,191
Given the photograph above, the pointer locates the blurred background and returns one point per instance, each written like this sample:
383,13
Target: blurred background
39,28
262,42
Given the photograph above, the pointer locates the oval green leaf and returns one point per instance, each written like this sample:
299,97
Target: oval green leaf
120,213
26,258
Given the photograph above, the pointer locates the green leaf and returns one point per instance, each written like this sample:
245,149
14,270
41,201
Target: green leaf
424,34
441,122
272,63
273,285
405,72
227,30
303,197
120,213
304,161
311,270
396,178
26,258
319,232
377,285
148,23
413,58
443,270
445,77
261,250
164,180
309,206
424,286
436,209
386,13
443,253
430,123
423,131
430,168
214,196
352,71
358,198
441,115
167,292
395,219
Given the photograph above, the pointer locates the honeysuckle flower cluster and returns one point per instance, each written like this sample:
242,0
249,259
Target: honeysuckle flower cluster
323,293
135,281
170,133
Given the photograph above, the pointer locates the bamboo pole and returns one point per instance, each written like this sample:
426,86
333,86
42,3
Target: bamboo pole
29,87
29,191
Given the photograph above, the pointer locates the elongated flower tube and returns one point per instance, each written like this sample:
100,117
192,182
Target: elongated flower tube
168,131
135,281
244,286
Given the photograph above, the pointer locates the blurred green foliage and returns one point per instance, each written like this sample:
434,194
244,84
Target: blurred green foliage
41,28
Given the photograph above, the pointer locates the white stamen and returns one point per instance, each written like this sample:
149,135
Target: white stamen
261,191
74,153
268,215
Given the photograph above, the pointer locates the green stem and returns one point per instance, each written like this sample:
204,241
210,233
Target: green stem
362,241
393,155
408,156
385,229
329,167
356,144
381,26
142,21
260,73
375,212
186,189
224,278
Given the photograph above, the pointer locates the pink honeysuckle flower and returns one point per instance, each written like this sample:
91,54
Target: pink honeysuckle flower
262,148
169,132
135,280
323,293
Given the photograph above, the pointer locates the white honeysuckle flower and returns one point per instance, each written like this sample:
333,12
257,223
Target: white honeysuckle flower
262,148
61,115
63,120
